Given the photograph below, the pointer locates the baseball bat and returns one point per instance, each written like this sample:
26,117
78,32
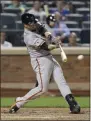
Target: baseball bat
63,55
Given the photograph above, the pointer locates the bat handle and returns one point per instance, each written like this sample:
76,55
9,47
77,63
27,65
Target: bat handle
60,47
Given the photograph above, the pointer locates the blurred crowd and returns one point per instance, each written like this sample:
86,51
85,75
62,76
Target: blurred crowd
72,20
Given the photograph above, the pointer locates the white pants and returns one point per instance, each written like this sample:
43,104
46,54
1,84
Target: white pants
45,67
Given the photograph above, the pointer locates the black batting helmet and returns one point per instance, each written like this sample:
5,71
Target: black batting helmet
50,18
28,18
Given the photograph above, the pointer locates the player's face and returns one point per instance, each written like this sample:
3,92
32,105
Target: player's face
52,24
32,26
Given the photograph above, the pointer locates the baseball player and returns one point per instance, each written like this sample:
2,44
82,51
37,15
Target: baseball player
36,38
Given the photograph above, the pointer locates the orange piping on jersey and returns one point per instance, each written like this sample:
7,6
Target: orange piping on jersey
40,79
40,74
41,83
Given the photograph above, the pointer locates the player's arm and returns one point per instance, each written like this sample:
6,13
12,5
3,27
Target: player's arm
41,30
41,43
36,42
53,39
49,36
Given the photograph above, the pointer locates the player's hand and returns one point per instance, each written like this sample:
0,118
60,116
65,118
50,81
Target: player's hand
51,46
48,35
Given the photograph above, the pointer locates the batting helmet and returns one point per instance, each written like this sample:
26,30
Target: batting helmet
28,18
50,18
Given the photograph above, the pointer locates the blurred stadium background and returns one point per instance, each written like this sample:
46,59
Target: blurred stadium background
17,76
75,14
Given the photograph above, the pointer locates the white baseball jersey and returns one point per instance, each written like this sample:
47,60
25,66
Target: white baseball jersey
33,41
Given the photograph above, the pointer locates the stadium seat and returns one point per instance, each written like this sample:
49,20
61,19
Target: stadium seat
88,3
19,25
75,17
16,37
78,4
7,21
72,24
29,4
12,10
86,24
1,8
85,36
7,4
88,17
81,0
52,10
16,11
83,11
51,4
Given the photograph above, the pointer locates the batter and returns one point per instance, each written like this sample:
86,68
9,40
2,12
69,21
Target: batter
36,38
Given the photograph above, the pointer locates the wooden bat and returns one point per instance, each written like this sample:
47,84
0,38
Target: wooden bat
63,55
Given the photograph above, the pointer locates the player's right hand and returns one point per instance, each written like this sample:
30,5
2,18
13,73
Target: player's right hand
47,34
51,46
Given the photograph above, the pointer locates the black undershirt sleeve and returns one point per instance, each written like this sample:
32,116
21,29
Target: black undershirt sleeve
44,46
41,30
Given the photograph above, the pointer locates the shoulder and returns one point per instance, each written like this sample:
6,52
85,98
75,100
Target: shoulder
22,5
10,6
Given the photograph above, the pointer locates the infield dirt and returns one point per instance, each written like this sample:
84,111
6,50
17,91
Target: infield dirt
45,114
